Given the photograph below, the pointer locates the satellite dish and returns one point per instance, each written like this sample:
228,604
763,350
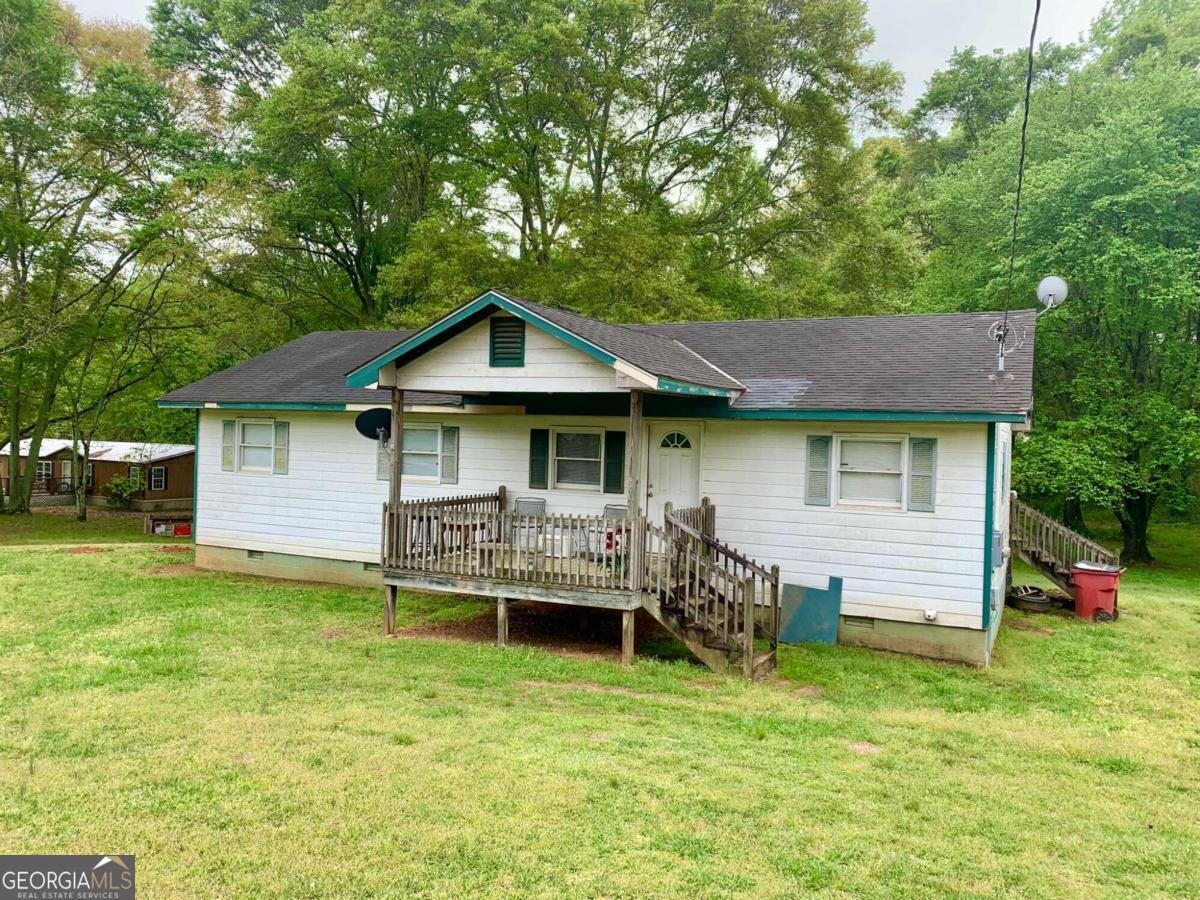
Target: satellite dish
1052,291
370,423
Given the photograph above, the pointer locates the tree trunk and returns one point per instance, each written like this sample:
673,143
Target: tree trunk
1134,516
1072,515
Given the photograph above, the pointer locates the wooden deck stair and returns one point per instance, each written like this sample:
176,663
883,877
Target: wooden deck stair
721,604
1051,547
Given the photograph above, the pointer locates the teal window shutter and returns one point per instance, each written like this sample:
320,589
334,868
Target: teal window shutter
922,475
614,462
449,467
820,453
539,457
228,436
507,346
280,466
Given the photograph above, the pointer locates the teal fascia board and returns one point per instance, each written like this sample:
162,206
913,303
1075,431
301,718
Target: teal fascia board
366,375
196,479
691,390
989,518
666,406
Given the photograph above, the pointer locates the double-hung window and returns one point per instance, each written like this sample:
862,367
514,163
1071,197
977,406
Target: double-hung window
578,459
45,470
430,454
135,476
256,446
253,446
158,478
422,450
870,471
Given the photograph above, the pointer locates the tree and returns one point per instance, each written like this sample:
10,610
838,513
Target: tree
1113,204
88,202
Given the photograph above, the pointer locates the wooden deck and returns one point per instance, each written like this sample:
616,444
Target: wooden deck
723,605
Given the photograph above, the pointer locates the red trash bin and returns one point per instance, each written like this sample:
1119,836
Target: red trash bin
1096,590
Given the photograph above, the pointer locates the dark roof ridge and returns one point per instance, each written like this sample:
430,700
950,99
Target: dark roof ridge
928,315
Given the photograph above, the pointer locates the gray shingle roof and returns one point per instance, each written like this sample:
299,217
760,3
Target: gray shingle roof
311,369
927,363
935,363
658,354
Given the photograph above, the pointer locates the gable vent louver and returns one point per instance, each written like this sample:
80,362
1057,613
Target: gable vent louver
507,347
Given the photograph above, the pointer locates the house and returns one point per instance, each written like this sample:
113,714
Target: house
700,471
164,471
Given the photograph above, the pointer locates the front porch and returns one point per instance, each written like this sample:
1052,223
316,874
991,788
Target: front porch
721,604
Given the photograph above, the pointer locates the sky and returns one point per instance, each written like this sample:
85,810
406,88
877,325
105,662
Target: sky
916,36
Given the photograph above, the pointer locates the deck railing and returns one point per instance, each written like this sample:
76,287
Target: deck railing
1036,531
692,529
473,536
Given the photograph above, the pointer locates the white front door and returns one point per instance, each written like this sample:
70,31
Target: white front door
674,467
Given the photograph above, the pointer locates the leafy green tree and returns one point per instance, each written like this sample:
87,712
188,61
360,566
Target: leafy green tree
89,204
1112,203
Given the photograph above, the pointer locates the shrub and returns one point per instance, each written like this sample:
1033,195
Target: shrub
120,490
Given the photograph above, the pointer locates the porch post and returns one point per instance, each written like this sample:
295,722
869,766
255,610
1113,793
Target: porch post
627,637
502,622
633,455
633,499
397,440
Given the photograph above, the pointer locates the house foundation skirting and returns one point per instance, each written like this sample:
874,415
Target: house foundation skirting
287,565
967,645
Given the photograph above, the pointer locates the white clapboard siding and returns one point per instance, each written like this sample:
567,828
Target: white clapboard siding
894,564
460,365
329,503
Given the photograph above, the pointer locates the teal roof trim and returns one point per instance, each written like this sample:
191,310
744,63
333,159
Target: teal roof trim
989,519
366,375
692,390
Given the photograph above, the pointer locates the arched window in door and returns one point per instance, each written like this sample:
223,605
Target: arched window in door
675,440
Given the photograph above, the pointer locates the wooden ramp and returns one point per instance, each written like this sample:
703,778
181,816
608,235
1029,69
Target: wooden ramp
1051,547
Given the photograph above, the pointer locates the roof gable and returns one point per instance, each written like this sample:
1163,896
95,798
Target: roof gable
655,361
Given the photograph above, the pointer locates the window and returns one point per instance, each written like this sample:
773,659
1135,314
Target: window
430,454
135,476
507,346
45,470
254,446
578,459
91,474
421,452
870,471
676,440
158,478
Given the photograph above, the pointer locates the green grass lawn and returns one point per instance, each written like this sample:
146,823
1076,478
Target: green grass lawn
254,738
57,525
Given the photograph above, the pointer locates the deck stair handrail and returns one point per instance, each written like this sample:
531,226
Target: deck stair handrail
1051,546
710,567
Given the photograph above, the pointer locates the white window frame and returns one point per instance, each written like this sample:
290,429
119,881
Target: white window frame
44,466
91,474
897,505
436,477
158,478
575,429
135,476
239,444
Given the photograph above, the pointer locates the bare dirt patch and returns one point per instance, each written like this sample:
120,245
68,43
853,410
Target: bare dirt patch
330,633
174,548
75,551
1028,625
581,633
864,748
